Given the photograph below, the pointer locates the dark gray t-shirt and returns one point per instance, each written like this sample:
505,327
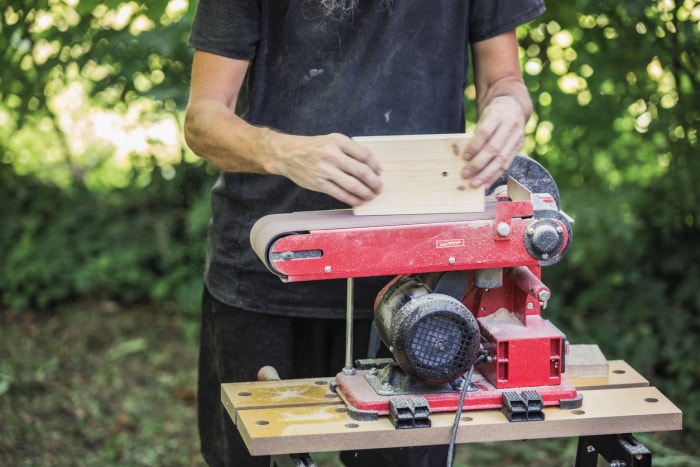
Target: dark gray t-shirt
388,68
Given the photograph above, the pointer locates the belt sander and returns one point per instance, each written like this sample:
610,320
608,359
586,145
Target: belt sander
462,316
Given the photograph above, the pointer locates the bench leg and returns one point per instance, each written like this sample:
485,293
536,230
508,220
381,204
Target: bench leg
618,450
292,460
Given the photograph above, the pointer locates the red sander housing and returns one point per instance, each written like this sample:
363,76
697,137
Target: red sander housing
465,305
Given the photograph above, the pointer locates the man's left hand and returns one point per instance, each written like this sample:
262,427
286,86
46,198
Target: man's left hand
498,137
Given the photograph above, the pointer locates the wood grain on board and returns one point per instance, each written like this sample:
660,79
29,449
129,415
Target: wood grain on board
422,174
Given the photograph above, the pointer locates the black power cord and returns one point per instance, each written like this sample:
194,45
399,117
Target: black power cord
458,415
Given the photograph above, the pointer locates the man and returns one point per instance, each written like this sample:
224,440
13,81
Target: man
278,89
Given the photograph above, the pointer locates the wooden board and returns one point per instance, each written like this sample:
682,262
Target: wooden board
422,174
586,361
620,375
284,417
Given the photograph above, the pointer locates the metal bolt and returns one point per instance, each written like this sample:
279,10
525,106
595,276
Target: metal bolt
543,296
452,260
530,231
545,256
559,229
327,269
287,255
530,305
503,229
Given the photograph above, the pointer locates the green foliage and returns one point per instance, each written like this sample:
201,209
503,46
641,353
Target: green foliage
130,245
100,202
122,49
103,84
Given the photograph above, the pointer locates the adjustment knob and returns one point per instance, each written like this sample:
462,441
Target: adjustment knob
545,240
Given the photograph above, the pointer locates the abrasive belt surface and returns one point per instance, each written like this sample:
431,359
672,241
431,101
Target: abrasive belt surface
269,228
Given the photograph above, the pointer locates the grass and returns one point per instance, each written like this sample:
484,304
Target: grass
97,384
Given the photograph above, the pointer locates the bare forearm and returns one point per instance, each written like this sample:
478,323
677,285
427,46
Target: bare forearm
216,134
333,164
506,87
503,106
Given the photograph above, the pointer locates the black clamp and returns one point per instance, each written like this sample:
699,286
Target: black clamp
409,412
524,407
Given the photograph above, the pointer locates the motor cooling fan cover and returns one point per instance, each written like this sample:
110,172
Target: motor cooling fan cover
433,337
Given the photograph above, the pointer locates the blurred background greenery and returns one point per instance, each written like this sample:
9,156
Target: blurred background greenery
100,200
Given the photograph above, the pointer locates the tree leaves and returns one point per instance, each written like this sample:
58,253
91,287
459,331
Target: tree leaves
42,41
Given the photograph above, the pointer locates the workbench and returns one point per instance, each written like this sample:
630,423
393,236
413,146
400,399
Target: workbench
298,416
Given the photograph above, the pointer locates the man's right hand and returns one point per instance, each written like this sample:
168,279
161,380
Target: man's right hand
333,164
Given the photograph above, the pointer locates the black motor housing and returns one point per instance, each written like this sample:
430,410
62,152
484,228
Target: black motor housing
432,335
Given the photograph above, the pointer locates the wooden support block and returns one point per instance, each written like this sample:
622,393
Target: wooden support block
422,174
586,361
620,375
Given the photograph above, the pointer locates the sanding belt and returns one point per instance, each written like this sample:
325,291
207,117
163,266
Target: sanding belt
270,228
